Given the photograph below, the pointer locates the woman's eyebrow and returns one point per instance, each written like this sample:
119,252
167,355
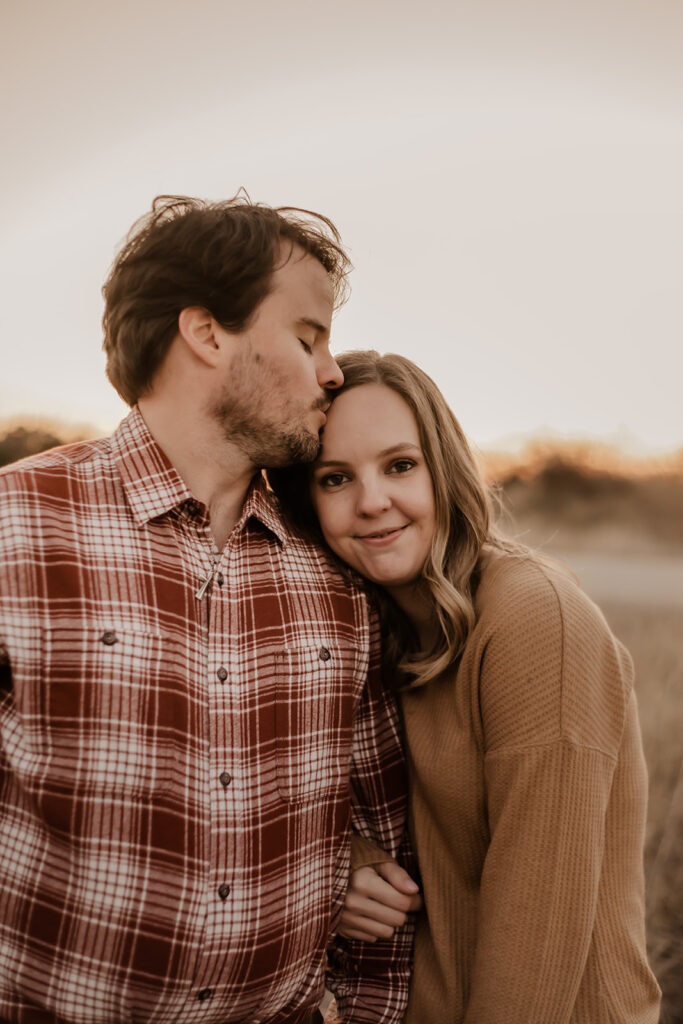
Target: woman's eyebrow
400,447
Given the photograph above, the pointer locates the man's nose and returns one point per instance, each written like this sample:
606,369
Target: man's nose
329,375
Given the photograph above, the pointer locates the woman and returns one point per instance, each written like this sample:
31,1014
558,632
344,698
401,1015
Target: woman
527,779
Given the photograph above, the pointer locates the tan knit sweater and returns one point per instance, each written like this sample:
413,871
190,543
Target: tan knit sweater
527,805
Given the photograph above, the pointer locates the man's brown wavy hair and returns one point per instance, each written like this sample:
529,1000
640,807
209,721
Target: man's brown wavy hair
220,256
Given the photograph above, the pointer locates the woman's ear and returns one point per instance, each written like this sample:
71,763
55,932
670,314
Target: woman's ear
198,330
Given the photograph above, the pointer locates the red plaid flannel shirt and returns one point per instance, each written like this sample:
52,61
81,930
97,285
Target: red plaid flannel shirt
174,768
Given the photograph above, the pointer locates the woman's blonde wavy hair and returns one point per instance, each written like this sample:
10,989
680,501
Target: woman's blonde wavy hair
463,504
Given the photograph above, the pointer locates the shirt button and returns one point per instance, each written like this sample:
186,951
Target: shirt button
222,674
224,892
109,638
204,993
225,778
220,579
324,654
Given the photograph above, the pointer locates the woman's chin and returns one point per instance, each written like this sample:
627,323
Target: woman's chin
390,580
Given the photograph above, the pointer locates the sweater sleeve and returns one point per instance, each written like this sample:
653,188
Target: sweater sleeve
554,688
365,853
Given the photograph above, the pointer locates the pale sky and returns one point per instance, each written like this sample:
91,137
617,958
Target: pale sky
507,176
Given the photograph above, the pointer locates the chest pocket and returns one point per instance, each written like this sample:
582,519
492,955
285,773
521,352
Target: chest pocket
318,688
107,711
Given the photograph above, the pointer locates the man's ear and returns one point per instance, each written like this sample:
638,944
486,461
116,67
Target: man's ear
198,329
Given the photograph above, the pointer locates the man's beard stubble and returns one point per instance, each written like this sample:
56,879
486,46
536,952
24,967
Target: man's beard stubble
265,443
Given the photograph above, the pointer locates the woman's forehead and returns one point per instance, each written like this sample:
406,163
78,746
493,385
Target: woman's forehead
367,417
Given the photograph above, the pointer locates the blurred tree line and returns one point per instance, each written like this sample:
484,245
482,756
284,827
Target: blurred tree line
23,441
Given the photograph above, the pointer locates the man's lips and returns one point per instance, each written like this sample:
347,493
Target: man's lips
379,537
322,407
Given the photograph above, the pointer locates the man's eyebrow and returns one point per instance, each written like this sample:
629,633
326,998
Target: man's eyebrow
400,447
317,327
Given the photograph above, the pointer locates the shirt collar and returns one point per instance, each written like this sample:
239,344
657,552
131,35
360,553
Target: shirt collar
153,486
261,504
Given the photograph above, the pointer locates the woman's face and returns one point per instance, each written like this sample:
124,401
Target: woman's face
371,487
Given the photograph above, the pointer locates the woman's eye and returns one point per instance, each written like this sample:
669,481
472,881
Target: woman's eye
331,481
307,347
402,466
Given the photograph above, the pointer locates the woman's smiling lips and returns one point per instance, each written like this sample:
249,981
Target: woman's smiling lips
381,537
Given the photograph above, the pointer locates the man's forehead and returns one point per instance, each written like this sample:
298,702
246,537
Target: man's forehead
304,278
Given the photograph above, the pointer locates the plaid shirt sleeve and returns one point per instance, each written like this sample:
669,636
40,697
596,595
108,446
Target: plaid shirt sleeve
370,980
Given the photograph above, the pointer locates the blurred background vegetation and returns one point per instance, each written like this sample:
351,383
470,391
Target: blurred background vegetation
20,442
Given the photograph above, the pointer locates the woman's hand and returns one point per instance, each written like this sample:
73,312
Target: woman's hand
378,900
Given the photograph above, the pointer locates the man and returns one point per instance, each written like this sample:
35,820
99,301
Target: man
180,677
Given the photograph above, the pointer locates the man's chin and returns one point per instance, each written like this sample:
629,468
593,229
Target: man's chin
307,452
302,447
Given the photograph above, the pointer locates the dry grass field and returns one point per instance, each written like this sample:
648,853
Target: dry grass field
654,636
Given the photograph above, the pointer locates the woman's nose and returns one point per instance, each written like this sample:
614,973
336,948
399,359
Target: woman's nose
372,499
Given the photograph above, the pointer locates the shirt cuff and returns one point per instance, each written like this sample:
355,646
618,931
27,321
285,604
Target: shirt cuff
365,853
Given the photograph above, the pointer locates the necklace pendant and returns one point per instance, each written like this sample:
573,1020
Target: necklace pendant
204,587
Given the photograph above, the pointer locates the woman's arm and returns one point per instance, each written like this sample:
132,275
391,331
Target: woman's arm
565,790
540,884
